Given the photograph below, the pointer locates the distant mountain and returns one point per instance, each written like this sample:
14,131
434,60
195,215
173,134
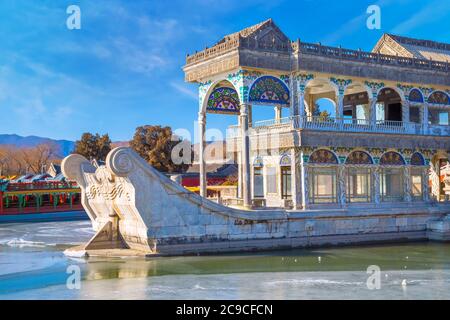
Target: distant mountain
65,146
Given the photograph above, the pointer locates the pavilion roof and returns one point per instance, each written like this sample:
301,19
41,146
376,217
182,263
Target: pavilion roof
413,48
245,33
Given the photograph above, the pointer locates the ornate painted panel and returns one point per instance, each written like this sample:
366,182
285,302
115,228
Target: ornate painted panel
359,157
439,97
268,89
417,159
258,162
323,156
223,100
392,158
415,96
285,160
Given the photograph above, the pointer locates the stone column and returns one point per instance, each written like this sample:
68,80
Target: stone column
340,107
245,154
405,111
376,185
277,110
373,111
342,200
304,182
201,153
425,188
407,197
301,112
296,180
239,162
425,118
250,115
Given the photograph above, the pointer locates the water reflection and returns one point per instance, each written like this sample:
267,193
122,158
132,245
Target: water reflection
32,266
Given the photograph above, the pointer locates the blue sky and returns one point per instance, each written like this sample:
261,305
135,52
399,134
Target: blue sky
123,68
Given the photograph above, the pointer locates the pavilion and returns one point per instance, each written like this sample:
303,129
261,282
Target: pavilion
387,140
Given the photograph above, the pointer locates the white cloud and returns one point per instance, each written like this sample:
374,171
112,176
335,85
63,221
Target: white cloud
182,88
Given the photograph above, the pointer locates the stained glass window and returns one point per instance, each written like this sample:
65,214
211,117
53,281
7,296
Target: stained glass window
358,157
223,100
417,159
392,158
285,161
323,156
415,96
269,89
439,97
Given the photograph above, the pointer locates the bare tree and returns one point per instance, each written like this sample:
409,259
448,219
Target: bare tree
38,158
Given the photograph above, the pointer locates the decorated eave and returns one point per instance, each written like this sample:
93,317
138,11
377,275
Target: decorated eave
227,54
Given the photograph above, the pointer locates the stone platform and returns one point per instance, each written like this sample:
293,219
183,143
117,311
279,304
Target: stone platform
136,209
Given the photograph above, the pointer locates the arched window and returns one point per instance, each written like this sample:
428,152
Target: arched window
269,90
285,160
358,186
439,97
415,96
323,156
322,184
285,168
358,157
417,160
391,158
223,100
324,109
391,178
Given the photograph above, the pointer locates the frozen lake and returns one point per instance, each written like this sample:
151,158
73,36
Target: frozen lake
32,266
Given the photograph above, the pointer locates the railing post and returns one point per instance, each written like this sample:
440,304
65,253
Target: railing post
201,154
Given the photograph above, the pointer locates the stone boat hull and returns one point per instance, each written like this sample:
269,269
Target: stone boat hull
136,210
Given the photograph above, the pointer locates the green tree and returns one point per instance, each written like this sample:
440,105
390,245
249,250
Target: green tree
155,145
93,146
321,115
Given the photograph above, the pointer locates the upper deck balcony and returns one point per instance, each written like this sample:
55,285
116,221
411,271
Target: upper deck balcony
342,125
315,130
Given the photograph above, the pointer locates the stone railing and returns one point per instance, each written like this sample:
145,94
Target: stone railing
362,125
326,51
364,56
214,51
341,125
